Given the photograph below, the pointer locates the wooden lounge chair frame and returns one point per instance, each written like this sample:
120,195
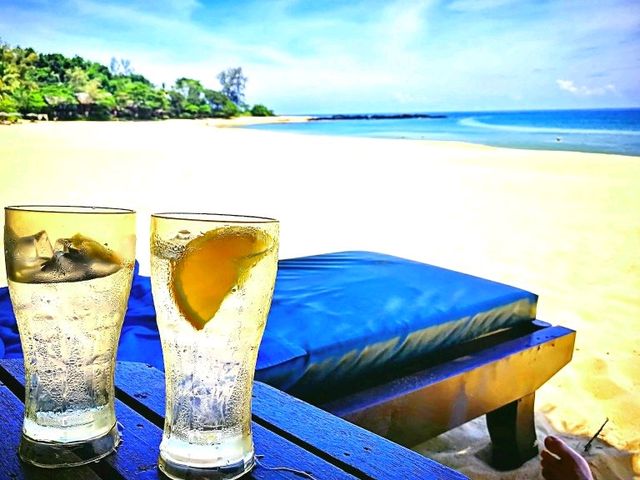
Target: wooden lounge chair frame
496,375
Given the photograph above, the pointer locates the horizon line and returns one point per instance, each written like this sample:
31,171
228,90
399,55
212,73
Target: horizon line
427,112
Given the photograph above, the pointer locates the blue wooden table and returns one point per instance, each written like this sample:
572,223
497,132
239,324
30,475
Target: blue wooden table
287,433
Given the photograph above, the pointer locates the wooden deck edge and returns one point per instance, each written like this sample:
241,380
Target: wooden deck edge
412,409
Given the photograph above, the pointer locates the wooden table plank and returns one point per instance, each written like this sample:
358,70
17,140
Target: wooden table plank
11,468
136,456
351,448
287,431
357,448
276,451
142,387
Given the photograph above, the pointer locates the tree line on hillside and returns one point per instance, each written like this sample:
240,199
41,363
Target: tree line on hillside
64,88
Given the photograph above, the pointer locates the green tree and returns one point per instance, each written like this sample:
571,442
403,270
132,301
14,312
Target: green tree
9,79
94,101
17,77
52,67
61,101
193,103
137,100
233,84
29,100
176,103
221,105
8,103
192,90
73,87
120,66
261,111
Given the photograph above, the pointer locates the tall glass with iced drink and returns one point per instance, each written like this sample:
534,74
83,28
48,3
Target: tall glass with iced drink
69,271
212,279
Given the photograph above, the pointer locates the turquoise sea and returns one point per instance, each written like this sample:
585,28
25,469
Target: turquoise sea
603,131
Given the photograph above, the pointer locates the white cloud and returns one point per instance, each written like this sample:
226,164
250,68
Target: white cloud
476,5
400,26
584,91
181,5
175,9
169,16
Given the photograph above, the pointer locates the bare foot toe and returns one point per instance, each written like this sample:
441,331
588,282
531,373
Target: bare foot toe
561,462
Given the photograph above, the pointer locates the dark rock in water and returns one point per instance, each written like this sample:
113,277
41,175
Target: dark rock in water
376,116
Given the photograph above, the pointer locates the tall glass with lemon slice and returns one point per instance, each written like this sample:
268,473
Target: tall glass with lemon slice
212,279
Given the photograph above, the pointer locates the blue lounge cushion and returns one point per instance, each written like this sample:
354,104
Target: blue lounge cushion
337,317
9,338
362,313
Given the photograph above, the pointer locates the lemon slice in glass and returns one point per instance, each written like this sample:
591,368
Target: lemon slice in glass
212,265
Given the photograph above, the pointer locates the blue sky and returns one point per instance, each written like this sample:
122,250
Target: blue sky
321,56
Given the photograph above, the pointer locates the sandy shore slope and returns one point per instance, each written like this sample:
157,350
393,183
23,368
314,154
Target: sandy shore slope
564,225
244,121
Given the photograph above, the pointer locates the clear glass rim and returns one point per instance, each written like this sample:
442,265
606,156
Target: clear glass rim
213,217
81,209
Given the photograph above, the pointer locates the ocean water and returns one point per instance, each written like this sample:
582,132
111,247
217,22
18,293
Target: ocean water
603,131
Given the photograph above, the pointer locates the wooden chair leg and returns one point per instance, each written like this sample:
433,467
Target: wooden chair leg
513,433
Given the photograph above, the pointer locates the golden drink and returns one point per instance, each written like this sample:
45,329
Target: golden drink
69,296
212,280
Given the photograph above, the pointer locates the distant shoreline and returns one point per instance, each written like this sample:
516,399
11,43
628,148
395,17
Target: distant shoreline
590,131
333,128
250,121
376,116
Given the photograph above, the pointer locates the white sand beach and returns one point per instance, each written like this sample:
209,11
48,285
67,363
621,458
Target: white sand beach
562,224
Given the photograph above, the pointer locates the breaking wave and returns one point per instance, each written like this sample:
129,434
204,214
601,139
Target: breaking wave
473,122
